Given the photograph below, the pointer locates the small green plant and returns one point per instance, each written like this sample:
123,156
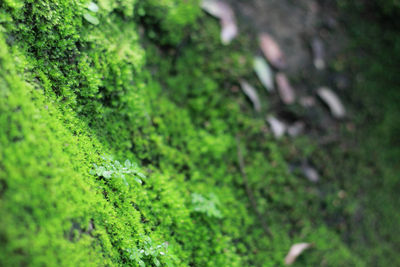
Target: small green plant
150,252
206,205
114,169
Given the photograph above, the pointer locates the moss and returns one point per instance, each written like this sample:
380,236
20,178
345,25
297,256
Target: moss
148,84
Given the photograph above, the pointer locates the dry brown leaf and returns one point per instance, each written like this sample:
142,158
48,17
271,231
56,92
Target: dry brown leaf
251,93
285,90
272,51
333,102
295,251
264,73
278,127
225,14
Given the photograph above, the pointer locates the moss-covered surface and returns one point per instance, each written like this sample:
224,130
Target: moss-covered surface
82,90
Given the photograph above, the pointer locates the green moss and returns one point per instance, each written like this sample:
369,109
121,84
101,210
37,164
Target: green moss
147,83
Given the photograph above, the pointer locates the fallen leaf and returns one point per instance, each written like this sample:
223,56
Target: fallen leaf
264,73
251,93
278,127
93,7
272,51
213,7
318,53
285,90
229,31
333,102
310,173
296,128
225,14
90,18
295,251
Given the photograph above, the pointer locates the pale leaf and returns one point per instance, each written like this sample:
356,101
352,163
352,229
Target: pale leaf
333,102
229,31
295,251
318,53
90,18
278,128
93,7
310,173
225,14
286,91
272,51
213,7
251,93
264,73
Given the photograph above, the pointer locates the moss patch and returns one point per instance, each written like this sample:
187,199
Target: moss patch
81,89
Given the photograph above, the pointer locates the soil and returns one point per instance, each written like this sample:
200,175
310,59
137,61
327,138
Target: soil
295,24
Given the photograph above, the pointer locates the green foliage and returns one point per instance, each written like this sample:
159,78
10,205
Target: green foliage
114,169
151,252
207,206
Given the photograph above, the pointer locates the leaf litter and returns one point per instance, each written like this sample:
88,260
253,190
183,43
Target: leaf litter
251,93
264,73
310,173
93,7
332,100
225,14
272,51
318,50
285,90
89,17
295,251
264,69
278,127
